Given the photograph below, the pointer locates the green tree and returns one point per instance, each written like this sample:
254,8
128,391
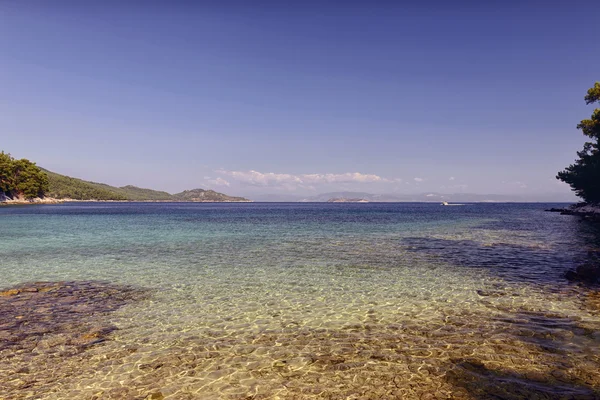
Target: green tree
21,177
6,183
30,180
584,175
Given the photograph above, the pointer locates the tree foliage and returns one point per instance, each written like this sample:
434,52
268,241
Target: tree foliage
21,178
584,175
5,173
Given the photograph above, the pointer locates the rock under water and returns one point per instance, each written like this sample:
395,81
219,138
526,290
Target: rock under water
42,324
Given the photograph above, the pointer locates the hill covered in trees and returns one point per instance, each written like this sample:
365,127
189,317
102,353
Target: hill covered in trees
23,179
204,195
66,187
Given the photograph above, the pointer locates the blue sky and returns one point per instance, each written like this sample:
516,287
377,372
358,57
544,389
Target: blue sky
371,96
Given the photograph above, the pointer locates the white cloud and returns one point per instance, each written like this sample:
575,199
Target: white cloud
451,178
305,180
217,182
261,179
418,179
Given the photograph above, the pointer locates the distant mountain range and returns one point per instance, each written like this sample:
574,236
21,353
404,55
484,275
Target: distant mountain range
424,197
66,187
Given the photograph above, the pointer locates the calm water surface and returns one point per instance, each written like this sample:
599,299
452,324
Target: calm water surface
251,301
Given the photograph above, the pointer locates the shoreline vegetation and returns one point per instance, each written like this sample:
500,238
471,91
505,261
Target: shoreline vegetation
584,175
23,182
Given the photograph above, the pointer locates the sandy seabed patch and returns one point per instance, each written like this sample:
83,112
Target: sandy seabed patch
59,341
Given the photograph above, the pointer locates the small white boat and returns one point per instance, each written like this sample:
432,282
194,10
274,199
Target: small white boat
445,203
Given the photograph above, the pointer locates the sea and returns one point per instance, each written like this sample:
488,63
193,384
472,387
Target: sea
296,301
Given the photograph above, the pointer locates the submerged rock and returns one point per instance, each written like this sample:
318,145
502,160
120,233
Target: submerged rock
490,293
593,300
44,315
46,330
10,292
586,273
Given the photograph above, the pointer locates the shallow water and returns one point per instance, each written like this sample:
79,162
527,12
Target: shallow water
308,301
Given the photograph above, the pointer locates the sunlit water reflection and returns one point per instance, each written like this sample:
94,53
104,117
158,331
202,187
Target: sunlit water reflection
305,301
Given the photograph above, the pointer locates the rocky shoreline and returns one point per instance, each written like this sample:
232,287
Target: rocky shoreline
588,212
5,201
587,273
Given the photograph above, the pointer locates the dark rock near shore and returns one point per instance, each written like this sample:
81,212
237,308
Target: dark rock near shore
490,293
49,329
585,273
586,211
44,315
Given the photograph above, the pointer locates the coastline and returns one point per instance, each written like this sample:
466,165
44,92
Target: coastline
20,201
50,200
588,212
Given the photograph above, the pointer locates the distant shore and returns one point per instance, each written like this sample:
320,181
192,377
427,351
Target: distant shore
20,201
49,200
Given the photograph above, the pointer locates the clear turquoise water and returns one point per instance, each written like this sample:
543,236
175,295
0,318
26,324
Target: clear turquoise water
259,299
